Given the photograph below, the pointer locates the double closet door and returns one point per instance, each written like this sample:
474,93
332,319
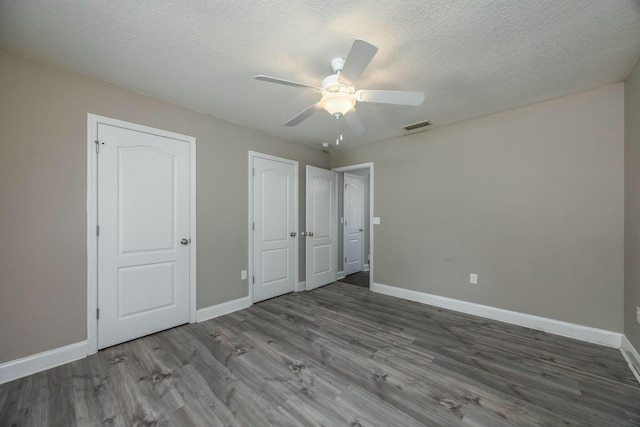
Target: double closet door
275,233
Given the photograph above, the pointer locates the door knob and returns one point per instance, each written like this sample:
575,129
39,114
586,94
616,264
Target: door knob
293,234
360,229
184,242
310,234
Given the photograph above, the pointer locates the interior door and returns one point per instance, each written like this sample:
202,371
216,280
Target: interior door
274,227
353,222
321,239
143,217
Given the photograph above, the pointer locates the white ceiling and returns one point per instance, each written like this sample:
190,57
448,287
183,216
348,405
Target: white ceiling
470,57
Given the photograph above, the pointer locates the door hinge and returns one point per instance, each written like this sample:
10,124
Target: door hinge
253,172
253,279
253,226
97,230
345,259
97,146
98,313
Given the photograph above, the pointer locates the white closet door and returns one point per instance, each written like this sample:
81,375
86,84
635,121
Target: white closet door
321,240
274,222
143,217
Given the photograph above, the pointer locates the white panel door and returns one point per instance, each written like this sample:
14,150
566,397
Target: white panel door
274,219
321,240
143,214
353,222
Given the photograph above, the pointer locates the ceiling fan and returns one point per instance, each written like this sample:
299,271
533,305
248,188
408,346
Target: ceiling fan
339,95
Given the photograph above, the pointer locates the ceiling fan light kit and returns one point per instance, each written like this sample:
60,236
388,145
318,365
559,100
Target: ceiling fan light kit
339,96
338,102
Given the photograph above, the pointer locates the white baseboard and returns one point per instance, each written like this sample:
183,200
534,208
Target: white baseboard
19,368
340,275
632,357
222,309
302,286
365,267
557,327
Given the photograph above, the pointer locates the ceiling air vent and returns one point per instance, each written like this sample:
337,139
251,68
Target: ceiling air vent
417,125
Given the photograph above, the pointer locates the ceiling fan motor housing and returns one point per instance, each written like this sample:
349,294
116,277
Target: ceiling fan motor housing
337,64
332,84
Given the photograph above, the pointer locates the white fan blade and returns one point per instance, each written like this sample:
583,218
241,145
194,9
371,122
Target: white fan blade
360,55
305,114
398,97
284,82
355,122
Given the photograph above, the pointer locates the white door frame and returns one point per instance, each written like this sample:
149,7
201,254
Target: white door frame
252,155
92,218
361,166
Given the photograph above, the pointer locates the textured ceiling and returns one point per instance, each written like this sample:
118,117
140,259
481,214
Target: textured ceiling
470,57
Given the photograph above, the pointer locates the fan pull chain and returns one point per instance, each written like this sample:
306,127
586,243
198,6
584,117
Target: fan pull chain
338,134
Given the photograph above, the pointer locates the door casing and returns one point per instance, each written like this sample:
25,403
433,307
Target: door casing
92,214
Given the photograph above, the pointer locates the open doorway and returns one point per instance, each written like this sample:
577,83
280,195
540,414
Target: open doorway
355,210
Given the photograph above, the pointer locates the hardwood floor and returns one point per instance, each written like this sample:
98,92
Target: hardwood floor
359,279
338,355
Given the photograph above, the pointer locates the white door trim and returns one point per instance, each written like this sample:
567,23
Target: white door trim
92,214
252,155
369,166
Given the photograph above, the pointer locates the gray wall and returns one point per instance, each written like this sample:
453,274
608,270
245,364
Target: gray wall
632,206
43,132
530,199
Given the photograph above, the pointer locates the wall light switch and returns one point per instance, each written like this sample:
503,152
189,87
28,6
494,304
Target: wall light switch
638,315
376,220
473,279
243,275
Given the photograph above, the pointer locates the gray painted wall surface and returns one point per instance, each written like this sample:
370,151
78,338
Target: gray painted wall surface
530,199
632,206
43,132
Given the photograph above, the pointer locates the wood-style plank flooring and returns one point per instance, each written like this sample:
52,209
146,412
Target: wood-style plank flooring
360,278
339,355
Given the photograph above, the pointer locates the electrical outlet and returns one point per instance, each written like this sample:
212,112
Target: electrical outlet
638,315
243,275
473,279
